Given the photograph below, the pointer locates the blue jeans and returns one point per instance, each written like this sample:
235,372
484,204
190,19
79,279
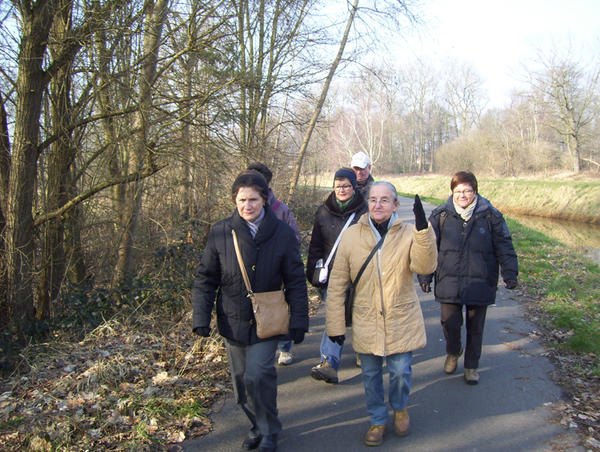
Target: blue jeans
285,344
330,350
400,372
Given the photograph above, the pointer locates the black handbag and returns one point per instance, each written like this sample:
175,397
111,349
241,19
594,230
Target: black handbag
350,291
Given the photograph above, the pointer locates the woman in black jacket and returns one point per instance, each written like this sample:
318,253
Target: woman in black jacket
473,242
272,258
344,202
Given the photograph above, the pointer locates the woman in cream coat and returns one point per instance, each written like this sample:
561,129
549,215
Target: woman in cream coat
387,321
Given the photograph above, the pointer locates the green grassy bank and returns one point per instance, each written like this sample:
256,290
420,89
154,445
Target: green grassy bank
567,199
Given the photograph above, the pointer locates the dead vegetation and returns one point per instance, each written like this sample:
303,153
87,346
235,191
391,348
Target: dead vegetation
121,388
127,386
577,374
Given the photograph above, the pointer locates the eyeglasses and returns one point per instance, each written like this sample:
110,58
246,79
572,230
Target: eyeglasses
343,187
382,202
463,192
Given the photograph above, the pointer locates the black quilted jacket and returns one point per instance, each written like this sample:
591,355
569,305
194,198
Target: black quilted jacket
470,254
270,258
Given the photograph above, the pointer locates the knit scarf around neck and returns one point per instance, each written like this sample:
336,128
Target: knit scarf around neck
254,225
467,212
344,205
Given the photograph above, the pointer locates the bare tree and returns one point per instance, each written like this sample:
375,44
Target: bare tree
464,95
321,101
565,85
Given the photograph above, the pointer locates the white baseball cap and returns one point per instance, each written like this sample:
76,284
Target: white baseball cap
360,160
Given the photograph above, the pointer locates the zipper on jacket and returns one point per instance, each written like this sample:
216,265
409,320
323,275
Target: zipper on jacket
382,311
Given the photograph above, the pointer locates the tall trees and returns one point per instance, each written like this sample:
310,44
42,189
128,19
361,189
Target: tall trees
141,153
464,95
37,68
268,36
564,84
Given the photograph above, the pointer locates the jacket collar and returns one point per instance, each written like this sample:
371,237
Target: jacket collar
364,219
482,205
355,205
267,227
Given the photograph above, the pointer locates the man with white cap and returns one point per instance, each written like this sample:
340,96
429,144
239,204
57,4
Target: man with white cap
361,164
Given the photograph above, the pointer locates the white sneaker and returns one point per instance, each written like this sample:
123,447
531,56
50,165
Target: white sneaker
285,358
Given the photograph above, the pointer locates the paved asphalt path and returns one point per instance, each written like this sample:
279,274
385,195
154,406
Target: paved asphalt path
509,411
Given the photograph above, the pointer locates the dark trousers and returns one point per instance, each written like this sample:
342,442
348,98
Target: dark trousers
452,322
255,384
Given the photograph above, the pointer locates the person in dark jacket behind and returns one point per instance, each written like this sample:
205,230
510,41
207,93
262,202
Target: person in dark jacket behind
283,212
473,242
272,258
345,201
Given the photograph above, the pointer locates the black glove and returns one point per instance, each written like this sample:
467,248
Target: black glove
203,331
297,335
420,219
510,284
338,339
426,287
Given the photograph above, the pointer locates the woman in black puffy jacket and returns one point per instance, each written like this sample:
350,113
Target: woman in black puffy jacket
344,202
474,247
271,256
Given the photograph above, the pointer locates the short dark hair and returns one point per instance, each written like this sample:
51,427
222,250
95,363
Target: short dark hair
262,169
464,177
252,179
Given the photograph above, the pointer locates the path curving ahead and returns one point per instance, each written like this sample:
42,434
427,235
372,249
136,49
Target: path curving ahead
509,411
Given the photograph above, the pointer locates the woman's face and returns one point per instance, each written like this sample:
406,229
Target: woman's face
249,203
381,203
464,195
343,189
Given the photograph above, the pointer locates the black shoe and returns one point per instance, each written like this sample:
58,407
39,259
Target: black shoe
251,443
268,443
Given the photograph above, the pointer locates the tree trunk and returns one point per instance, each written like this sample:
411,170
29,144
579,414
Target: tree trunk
313,122
132,204
53,265
31,84
4,176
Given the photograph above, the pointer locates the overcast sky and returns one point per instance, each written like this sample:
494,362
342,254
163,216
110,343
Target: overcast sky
494,34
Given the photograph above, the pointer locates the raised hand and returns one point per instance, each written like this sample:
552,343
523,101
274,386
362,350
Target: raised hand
420,219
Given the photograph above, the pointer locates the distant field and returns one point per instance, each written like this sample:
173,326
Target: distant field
566,198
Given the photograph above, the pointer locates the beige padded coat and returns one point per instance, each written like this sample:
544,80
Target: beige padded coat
387,317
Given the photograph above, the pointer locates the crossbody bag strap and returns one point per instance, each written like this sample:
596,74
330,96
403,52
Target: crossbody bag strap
337,241
362,269
241,261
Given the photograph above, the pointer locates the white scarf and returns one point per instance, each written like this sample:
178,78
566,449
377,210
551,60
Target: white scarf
256,223
467,212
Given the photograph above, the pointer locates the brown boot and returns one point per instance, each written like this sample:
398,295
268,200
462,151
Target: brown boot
401,422
451,363
375,435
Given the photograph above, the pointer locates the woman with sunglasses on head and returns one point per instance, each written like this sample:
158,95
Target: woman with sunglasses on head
473,243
